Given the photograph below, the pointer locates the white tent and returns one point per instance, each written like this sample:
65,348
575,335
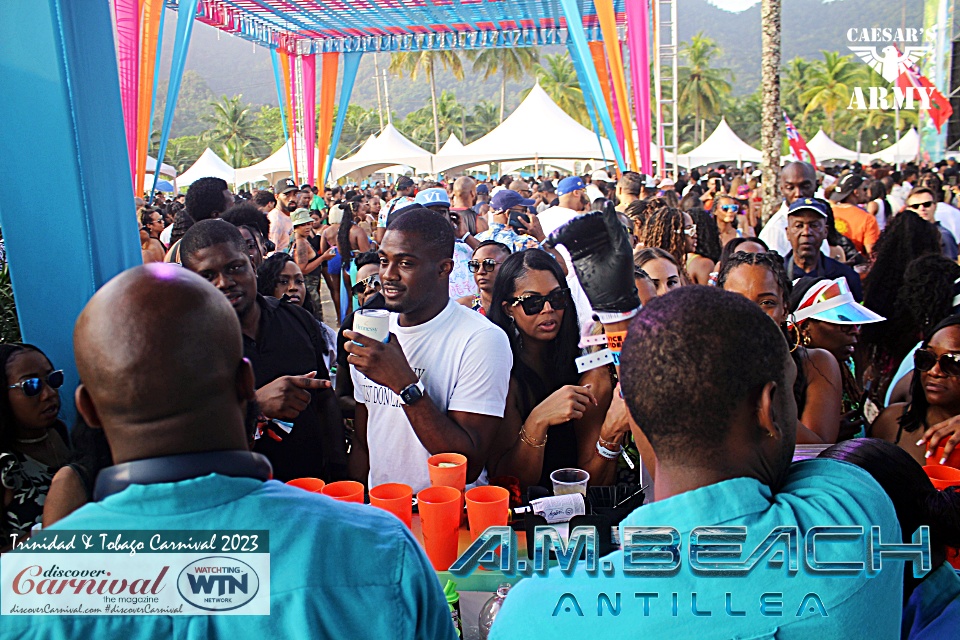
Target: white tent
906,150
537,129
276,166
824,148
451,147
165,169
386,150
723,145
208,164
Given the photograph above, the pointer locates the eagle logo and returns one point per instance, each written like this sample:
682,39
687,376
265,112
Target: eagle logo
889,62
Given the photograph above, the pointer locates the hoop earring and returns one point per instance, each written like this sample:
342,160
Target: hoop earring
796,343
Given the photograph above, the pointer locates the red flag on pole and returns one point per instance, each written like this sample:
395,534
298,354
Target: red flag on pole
798,146
910,77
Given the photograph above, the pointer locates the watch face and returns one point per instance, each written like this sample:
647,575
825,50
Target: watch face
411,394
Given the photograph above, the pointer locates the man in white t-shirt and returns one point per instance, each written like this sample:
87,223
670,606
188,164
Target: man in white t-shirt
287,193
571,193
797,180
440,382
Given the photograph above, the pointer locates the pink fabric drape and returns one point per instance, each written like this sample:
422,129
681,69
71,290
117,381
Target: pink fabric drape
128,63
309,67
638,38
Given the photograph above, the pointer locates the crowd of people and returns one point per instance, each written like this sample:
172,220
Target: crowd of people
492,289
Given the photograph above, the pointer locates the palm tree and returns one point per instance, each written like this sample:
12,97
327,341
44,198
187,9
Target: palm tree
232,129
411,63
183,152
482,121
510,63
559,80
702,88
448,118
829,85
794,83
770,111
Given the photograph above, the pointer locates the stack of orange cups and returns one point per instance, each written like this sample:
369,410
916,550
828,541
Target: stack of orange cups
313,485
344,491
486,507
440,523
395,498
449,470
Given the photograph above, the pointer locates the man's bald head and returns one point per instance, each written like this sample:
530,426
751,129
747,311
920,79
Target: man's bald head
141,383
797,180
465,191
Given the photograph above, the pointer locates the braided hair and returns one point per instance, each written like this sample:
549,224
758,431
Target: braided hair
663,228
927,294
915,416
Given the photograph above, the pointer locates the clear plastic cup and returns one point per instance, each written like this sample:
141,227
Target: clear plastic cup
567,481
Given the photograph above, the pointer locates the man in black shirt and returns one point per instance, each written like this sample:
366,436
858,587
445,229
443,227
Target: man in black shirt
285,347
806,231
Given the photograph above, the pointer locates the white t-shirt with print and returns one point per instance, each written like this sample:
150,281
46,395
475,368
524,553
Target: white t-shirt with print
463,361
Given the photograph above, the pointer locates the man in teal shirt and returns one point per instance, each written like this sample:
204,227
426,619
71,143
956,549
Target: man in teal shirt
708,377
172,406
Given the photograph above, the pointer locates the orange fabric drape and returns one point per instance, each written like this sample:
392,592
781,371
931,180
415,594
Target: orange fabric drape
150,26
328,93
608,27
600,63
291,115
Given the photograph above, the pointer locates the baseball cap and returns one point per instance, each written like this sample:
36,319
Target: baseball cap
547,187
808,204
300,216
848,184
434,196
602,175
507,199
667,182
831,301
483,189
650,183
404,182
569,185
284,186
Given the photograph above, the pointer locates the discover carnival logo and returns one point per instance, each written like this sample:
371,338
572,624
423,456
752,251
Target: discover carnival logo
876,47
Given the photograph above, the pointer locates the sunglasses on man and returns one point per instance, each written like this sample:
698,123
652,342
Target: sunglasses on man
921,205
924,360
532,304
33,386
361,286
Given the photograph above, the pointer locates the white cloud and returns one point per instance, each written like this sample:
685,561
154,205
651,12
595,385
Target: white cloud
734,5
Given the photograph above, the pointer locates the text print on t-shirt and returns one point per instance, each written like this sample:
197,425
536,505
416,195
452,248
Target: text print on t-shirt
378,394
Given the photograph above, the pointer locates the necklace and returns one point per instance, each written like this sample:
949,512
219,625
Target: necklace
33,440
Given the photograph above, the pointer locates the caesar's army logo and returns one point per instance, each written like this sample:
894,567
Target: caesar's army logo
900,67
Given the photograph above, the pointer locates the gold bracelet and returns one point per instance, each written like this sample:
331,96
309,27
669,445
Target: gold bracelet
527,441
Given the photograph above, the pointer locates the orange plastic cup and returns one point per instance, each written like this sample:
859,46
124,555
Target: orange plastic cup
486,507
440,524
344,491
395,498
313,485
448,470
943,476
952,461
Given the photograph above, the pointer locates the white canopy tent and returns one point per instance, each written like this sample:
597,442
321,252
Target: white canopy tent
723,145
537,130
207,165
824,148
904,151
388,149
165,169
276,166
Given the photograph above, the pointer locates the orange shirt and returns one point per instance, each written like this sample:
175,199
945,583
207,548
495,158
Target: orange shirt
856,224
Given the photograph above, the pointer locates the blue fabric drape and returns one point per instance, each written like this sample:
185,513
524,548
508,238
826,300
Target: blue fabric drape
281,93
185,14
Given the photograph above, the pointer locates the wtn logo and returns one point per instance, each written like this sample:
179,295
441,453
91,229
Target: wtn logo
225,584
218,583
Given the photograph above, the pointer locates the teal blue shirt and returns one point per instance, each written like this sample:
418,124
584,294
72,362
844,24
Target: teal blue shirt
337,570
816,493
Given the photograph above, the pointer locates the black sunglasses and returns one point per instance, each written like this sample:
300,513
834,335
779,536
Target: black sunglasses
361,286
488,265
533,304
33,386
924,360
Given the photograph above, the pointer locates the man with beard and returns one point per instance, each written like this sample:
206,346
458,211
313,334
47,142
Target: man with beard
172,409
439,384
286,349
288,194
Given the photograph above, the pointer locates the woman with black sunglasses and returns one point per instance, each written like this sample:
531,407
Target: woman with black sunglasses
33,440
726,211
555,417
935,392
485,265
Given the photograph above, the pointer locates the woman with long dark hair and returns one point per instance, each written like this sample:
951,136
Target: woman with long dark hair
555,417
726,213
703,249
351,239
762,278
33,440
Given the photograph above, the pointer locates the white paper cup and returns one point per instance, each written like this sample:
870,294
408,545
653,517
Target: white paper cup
373,323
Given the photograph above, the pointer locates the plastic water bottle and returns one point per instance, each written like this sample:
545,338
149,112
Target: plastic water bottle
490,610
